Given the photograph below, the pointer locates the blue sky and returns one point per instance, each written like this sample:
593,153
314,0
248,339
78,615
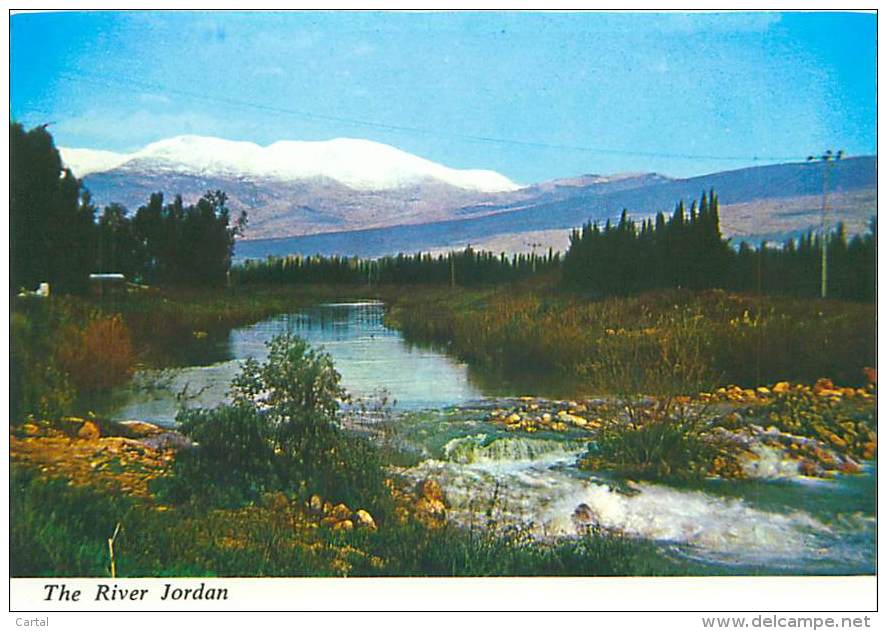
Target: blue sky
533,96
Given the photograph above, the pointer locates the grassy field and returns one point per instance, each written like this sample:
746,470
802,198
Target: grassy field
669,342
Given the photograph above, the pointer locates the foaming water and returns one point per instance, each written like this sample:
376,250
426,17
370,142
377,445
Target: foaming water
541,490
481,448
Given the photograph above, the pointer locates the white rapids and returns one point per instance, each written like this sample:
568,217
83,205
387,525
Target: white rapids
513,481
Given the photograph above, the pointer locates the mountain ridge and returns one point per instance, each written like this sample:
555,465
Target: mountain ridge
357,163
292,206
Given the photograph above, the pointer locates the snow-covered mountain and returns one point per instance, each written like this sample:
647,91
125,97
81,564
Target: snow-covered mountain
362,165
350,196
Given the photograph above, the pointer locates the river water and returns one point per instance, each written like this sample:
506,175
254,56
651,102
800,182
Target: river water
782,525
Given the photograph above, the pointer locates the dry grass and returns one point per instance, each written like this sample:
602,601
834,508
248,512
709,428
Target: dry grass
98,355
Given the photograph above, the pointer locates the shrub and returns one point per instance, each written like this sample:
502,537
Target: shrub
38,386
663,441
98,354
280,433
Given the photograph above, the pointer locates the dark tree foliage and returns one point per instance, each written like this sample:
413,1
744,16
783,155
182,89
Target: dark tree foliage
189,245
795,268
184,245
687,250
52,225
55,237
466,268
172,244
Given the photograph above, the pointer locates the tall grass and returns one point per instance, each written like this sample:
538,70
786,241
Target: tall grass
97,355
657,343
60,530
38,386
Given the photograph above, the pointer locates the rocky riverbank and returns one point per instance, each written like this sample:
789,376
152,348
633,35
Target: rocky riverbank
785,429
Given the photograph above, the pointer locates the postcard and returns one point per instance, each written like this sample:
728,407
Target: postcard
345,310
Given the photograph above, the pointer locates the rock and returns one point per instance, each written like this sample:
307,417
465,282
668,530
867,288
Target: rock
329,522
89,431
823,384
340,512
315,505
327,508
808,468
364,520
583,514
430,489
848,466
781,388
140,429
345,524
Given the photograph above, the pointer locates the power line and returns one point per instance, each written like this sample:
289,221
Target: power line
112,82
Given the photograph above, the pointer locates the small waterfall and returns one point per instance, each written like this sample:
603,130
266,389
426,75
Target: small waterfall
481,448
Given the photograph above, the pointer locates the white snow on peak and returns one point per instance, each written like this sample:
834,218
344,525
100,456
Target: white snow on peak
356,163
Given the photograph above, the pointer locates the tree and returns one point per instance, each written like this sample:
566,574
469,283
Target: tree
280,432
52,228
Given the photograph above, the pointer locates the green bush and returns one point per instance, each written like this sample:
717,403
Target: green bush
280,433
663,441
38,385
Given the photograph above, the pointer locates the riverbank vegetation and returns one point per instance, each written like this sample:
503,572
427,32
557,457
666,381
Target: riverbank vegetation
666,342
240,498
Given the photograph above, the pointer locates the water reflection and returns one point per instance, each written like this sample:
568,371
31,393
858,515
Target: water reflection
368,355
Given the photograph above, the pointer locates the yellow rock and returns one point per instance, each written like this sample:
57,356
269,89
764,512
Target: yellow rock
315,504
781,387
364,519
89,430
763,390
345,524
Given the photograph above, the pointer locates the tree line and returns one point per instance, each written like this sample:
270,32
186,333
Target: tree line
687,250
465,268
57,234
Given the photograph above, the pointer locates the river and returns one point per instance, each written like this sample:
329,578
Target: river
788,524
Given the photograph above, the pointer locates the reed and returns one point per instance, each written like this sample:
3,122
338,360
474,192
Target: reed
663,342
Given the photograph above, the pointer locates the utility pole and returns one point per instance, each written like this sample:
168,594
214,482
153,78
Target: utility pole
534,246
828,158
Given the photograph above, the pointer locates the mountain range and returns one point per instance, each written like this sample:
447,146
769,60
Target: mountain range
358,197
